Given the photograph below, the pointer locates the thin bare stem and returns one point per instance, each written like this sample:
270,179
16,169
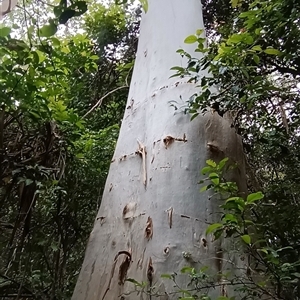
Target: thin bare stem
99,102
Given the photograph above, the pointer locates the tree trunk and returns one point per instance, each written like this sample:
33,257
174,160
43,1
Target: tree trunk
152,218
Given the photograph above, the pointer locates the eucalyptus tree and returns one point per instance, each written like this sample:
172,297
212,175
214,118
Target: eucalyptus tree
152,218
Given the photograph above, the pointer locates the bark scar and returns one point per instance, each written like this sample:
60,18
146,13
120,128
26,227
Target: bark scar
141,260
129,210
214,148
124,157
168,140
128,253
102,220
184,216
142,152
149,229
170,216
124,268
150,272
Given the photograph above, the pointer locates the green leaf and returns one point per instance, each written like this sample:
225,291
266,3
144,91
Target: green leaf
31,72
144,4
41,55
211,163
4,31
94,57
57,10
256,59
187,270
248,39
256,48
191,39
203,189
80,155
254,197
66,15
213,227
35,115
235,38
185,292
181,51
55,41
257,31
176,68
199,31
232,199
237,200
246,238
264,250
205,170
194,116
168,276
28,181
79,124
272,51
54,247
214,177
222,163
48,30
230,217
234,3
80,7
249,222
247,14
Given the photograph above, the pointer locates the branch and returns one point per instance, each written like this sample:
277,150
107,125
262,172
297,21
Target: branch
99,102
16,283
283,70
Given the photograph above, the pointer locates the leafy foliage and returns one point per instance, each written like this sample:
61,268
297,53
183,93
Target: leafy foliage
272,270
62,99
57,139
251,58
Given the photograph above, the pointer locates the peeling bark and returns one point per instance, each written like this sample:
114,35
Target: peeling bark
149,229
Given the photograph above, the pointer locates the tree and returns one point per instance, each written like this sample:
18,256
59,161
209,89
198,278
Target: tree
61,103
152,218
56,141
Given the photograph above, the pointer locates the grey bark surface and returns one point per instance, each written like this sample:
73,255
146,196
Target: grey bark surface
152,211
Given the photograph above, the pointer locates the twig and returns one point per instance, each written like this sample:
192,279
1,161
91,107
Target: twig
99,102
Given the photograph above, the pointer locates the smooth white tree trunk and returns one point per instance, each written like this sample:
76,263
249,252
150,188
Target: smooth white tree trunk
152,218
